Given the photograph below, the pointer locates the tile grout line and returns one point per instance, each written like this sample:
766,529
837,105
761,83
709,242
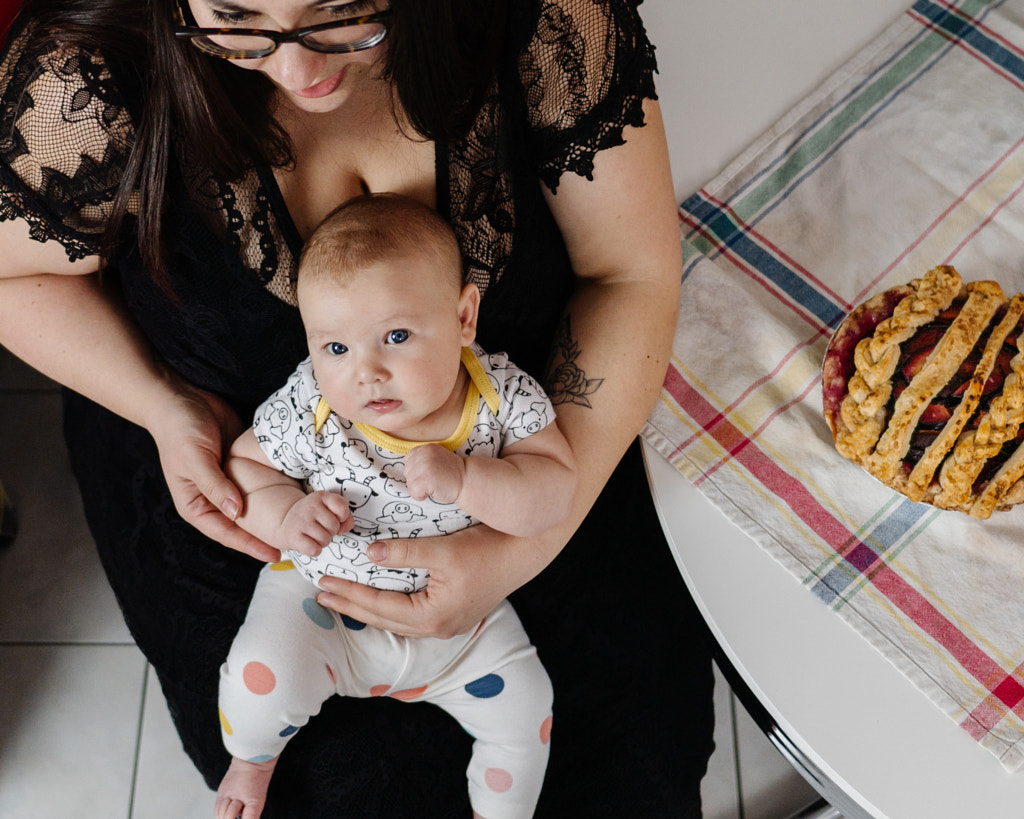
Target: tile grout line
138,739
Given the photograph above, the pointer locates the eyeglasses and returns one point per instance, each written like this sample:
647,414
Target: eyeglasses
338,37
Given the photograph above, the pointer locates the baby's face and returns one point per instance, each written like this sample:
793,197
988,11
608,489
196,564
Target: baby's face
386,345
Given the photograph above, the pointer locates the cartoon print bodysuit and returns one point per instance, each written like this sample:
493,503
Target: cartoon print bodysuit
306,441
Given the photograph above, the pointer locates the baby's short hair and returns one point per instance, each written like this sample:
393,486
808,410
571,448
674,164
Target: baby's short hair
375,228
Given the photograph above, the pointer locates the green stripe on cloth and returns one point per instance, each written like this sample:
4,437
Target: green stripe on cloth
847,115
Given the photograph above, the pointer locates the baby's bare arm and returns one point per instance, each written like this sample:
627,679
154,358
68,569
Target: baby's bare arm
276,508
526,491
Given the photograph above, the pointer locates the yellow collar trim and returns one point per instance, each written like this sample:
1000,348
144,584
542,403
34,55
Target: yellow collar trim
479,377
479,386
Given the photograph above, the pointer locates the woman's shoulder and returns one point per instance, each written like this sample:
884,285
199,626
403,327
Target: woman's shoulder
65,131
573,54
54,92
584,68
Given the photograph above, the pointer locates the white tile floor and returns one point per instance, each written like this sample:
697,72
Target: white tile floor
83,729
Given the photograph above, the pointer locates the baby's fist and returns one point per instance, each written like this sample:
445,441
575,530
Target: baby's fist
433,471
312,522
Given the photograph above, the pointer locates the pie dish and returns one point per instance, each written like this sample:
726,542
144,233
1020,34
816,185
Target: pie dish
923,386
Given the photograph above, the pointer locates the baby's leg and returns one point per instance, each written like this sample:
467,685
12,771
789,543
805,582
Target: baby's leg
507,709
277,675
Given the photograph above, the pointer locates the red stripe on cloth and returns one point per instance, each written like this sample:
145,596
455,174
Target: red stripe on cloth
762,467
982,719
837,536
1007,694
681,390
779,410
674,378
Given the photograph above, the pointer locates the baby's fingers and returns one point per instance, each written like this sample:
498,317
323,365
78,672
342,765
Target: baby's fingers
339,508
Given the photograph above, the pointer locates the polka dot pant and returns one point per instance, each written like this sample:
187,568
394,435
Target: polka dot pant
291,655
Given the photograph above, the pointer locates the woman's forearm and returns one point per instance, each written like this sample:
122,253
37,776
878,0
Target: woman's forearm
74,331
609,364
624,343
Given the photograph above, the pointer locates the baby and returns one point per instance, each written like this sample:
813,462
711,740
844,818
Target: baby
397,425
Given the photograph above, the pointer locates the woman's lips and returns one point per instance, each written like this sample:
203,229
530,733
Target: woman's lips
323,88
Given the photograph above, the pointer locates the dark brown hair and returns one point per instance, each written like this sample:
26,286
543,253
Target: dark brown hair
441,58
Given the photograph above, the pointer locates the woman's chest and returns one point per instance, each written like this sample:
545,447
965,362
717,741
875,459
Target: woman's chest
331,168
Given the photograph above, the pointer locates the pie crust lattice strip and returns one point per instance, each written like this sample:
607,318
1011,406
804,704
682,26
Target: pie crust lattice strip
923,386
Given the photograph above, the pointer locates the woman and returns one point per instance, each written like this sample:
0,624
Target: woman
178,171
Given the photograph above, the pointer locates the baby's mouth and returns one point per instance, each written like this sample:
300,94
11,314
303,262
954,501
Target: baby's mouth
383,405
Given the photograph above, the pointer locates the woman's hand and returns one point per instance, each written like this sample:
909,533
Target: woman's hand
192,434
72,328
471,572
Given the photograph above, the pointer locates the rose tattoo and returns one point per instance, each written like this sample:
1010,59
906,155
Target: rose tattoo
567,383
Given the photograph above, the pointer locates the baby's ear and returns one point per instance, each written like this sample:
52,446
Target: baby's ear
469,309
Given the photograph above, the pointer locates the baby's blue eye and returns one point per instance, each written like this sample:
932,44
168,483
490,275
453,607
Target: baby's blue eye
336,348
398,336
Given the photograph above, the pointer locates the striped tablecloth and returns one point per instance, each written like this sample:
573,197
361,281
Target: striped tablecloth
910,156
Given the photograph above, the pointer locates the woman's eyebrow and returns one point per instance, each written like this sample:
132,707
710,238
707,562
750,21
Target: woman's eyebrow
228,5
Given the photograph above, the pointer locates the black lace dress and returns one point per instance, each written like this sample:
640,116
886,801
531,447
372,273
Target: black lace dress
627,656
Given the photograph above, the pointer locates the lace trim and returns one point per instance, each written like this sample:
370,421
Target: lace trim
586,73
65,135
482,206
13,206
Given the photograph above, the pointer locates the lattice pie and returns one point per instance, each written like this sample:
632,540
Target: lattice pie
923,386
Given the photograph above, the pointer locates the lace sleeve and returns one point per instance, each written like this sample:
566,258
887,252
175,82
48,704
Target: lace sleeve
64,139
585,71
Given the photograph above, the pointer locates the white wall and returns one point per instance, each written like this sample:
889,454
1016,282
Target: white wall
722,82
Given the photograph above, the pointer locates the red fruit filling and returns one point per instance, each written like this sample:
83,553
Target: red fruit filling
915,352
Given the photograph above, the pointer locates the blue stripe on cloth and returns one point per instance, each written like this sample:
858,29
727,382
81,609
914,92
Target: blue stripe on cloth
860,556
781,275
967,31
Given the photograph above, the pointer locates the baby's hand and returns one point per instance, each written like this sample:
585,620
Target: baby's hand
311,522
435,471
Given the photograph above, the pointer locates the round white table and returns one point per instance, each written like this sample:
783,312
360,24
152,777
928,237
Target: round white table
871,743
728,71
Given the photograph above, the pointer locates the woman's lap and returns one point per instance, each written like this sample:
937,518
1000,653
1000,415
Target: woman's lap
629,659
611,620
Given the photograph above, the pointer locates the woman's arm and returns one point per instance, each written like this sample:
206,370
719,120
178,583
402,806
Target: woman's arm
71,328
622,233
612,352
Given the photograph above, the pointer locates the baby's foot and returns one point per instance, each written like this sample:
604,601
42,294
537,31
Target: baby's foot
243,790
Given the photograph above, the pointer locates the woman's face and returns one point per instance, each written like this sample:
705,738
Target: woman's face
311,81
